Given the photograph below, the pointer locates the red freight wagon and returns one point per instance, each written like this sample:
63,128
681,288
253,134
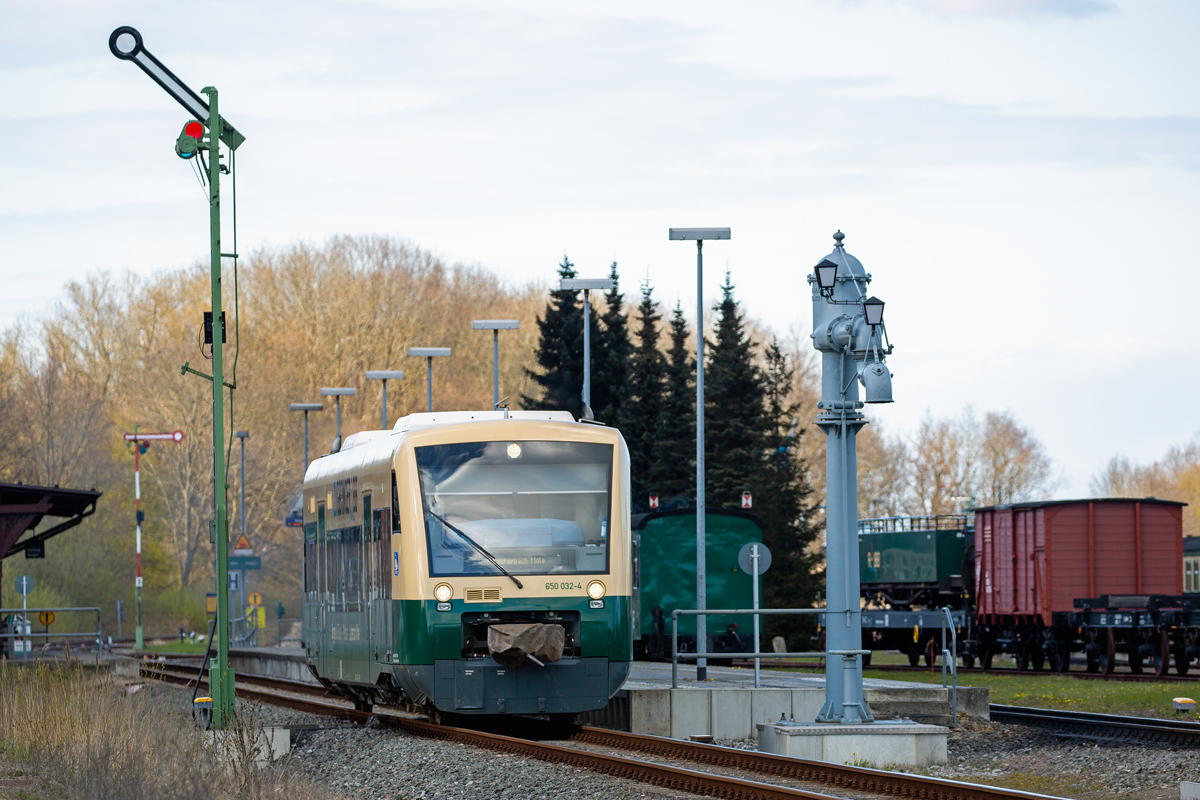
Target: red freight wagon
1103,576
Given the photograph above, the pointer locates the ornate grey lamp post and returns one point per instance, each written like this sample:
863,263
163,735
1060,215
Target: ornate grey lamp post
848,331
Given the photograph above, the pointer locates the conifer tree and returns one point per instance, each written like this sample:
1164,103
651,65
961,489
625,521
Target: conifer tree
783,502
611,354
644,409
733,399
559,353
673,473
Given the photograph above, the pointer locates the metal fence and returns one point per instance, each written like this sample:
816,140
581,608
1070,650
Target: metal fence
676,655
24,633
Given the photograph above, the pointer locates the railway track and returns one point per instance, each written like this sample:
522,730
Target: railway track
825,776
1081,675
1087,725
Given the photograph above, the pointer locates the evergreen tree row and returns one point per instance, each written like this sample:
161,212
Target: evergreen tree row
646,388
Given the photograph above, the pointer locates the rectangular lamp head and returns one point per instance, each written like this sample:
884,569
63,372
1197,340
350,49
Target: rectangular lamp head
241,434
591,284
385,374
338,391
495,324
427,352
306,407
698,234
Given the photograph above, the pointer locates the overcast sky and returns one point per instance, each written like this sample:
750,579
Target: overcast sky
1018,175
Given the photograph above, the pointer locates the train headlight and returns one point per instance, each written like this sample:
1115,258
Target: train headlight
595,590
443,592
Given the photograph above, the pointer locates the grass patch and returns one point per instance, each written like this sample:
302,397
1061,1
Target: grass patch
1047,690
85,736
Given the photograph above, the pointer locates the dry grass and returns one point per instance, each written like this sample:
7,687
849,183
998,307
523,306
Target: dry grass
91,740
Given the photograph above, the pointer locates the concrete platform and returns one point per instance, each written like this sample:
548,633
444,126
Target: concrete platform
727,706
881,744
274,662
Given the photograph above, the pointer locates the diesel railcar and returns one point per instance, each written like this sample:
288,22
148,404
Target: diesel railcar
471,563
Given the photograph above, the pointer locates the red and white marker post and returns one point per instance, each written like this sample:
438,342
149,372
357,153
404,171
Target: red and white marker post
141,441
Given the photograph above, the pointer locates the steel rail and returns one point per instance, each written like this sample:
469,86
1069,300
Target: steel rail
1101,726
835,776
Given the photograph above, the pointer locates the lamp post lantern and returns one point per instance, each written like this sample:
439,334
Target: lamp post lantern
337,393
385,375
587,285
306,407
429,353
849,333
495,326
699,235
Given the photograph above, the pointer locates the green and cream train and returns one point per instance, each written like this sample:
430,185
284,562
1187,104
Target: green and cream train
471,563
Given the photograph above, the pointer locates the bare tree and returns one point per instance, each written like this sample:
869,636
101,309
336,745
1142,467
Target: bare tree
1012,463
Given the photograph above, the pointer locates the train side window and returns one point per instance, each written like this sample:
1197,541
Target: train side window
368,560
390,568
310,560
319,568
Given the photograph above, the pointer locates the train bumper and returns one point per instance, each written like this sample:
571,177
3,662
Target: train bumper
482,686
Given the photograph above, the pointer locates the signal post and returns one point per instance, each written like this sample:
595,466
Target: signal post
126,44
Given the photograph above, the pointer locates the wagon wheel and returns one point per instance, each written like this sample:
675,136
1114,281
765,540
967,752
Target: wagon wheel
1162,656
1039,657
1108,658
985,658
1060,658
914,656
968,661
1022,656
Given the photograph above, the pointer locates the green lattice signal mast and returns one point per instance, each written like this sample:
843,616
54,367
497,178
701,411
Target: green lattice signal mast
126,44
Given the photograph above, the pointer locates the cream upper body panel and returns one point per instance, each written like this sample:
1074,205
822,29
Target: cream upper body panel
369,457
416,582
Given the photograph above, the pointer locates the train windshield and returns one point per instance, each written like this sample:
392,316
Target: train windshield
537,508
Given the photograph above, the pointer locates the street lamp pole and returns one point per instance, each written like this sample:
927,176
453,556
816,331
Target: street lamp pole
429,353
699,235
495,326
385,375
306,407
848,331
337,393
587,285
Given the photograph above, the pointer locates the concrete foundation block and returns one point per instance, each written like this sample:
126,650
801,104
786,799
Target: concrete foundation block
732,714
879,744
1189,790
650,711
691,712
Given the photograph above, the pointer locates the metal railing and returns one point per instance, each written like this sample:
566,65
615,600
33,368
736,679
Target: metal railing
20,617
676,655
950,657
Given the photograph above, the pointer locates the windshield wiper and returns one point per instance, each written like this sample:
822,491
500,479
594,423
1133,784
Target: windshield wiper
477,546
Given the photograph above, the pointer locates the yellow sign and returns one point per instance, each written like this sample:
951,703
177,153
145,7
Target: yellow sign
46,618
256,617
255,599
210,603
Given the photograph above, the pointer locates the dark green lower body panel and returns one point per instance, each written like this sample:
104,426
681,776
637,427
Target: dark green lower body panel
481,686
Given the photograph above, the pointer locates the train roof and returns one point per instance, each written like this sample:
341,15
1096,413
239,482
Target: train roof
1051,503
428,420
639,520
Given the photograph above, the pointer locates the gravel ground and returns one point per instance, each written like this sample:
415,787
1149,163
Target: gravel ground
1031,759
390,764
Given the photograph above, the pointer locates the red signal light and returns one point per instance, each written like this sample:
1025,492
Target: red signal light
194,129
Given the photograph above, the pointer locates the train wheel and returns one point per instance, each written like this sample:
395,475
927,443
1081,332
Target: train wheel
1039,658
968,661
1060,659
866,660
1108,658
914,656
1162,657
1135,661
985,659
1182,663
1022,658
